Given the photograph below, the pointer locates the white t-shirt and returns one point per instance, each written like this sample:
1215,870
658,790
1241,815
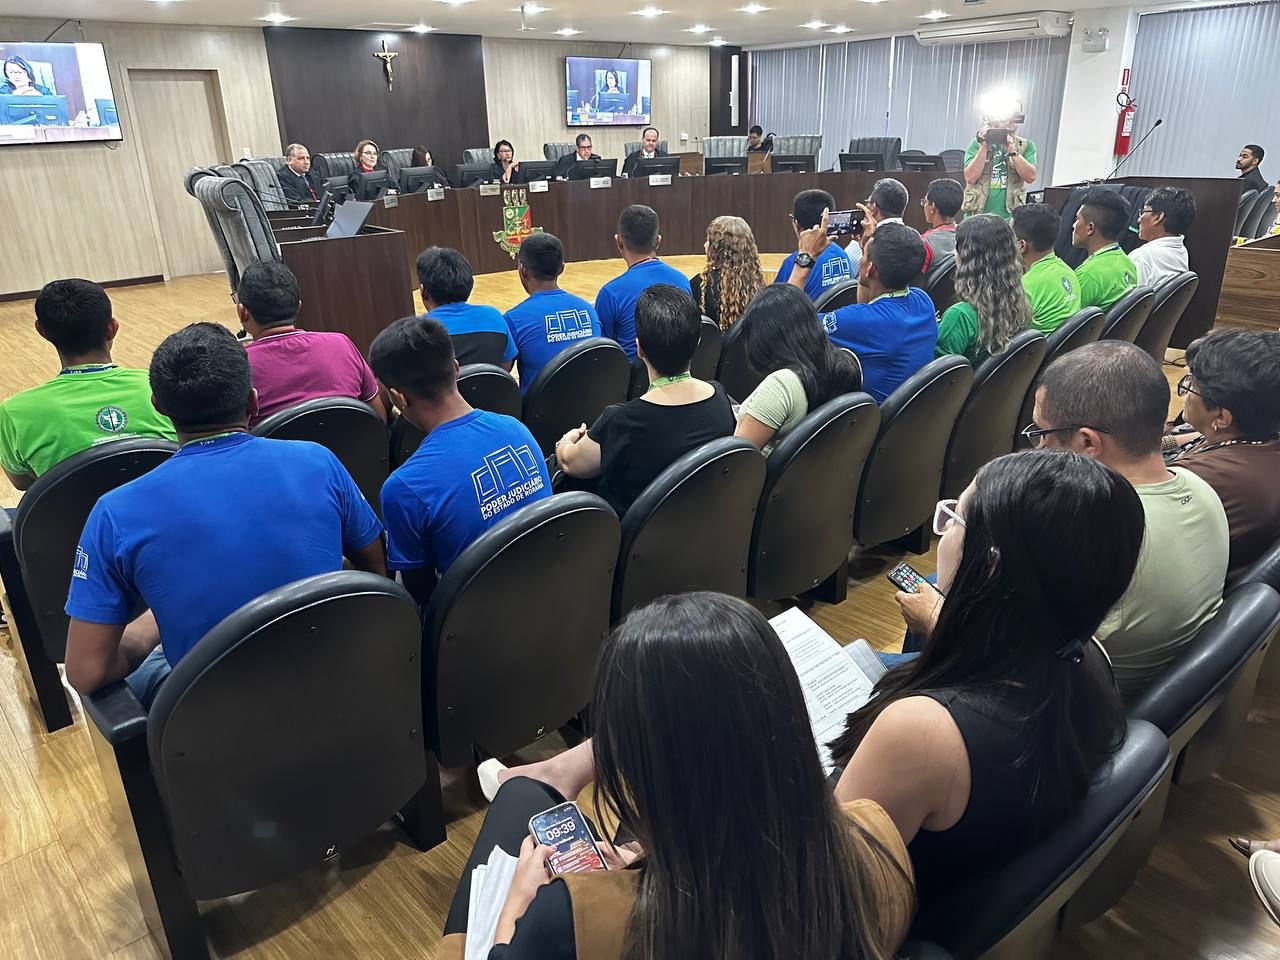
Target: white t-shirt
1158,260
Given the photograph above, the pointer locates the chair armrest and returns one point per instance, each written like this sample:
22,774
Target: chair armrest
922,950
116,712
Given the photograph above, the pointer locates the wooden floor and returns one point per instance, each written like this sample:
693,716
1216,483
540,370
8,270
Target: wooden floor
65,890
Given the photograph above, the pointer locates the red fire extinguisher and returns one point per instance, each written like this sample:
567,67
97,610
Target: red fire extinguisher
1124,123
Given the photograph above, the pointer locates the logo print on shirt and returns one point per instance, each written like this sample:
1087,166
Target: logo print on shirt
829,322
508,476
111,419
567,325
835,270
80,570
1066,285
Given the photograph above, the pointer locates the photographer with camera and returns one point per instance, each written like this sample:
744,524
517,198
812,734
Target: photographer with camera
999,165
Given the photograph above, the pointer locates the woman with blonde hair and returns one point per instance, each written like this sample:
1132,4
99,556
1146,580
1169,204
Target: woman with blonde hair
993,307
732,276
366,156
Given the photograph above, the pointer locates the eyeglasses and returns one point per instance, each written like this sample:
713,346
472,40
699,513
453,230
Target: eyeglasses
1146,210
1032,433
1184,386
944,514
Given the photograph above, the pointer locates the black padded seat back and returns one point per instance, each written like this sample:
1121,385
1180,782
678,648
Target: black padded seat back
734,371
574,388
804,522
1027,892
1084,326
703,365
887,147
485,386
329,165
940,282
988,420
1170,303
843,294
691,527
349,428
501,682
1127,315
1261,215
903,474
1243,208
953,160
394,160
290,731
1266,569
51,516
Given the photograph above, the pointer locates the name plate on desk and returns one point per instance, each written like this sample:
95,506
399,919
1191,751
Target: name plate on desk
659,179
391,200
435,193
601,183
490,189
539,186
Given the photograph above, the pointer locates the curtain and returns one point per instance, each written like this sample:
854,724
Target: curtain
1211,75
855,94
779,79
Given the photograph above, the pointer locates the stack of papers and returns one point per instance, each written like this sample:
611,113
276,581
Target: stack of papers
490,883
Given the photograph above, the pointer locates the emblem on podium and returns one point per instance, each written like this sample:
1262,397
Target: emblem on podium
517,220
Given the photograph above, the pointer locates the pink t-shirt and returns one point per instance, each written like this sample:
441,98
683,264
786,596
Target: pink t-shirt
304,364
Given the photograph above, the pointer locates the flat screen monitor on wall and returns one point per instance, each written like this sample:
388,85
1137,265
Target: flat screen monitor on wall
606,91
56,93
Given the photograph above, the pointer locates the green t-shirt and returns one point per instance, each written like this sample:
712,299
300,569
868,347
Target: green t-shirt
779,402
1105,277
996,202
78,409
958,334
1053,292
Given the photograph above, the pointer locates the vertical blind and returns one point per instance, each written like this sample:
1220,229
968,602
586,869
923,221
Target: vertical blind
1212,75
855,95
786,90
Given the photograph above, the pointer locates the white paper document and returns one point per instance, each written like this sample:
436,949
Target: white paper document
490,883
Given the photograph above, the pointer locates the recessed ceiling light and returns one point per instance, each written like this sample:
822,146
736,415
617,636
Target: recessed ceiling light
935,15
649,11
699,28
815,24
873,1
421,28
568,32
454,3
277,18
164,1
717,42
530,8
841,28
752,8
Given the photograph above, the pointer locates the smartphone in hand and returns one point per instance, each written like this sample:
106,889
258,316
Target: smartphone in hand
843,223
905,578
565,830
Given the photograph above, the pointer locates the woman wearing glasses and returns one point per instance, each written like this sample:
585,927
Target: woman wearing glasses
991,736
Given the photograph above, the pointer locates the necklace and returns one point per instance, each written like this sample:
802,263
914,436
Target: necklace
667,381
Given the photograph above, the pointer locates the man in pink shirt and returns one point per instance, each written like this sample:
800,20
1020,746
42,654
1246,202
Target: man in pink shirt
291,365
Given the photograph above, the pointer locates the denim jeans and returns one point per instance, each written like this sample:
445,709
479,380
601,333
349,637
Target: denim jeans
147,676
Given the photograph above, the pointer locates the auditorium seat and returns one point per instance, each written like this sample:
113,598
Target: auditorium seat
574,388
483,385
262,178
327,165
953,160
843,294
724,146
1127,315
239,224
734,371
1266,569
284,738
900,482
554,151
1170,303
628,148
989,418
477,155
1261,215
940,282
804,522
394,160
349,428
703,366
887,147
1080,328
691,527
1013,910
1243,208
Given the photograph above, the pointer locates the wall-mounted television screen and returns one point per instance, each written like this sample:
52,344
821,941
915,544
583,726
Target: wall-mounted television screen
56,93
606,91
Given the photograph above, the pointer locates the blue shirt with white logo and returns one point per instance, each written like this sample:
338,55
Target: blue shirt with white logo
464,477
546,323
616,301
893,337
478,332
171,539
830,267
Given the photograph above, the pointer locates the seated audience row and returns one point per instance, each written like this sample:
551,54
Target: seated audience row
992,307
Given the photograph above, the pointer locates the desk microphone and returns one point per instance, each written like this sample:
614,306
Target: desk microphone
1125,158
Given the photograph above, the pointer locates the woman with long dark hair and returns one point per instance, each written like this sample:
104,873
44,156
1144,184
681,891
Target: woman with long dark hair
993,306
19,80
991,736
784,337
746,854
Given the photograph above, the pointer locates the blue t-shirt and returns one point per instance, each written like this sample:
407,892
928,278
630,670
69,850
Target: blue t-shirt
478,332
893,336
172,540
616,301
831,266
546,323
464,477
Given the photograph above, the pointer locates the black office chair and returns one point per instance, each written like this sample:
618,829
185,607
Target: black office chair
1170,303
691,527
1261,215
953,160
1127,315
841,295
940,282
329,165
1266,569
988,420
246,771
703,365
492,684
1080,328
1013,911
483,385
887,147
735,371
394,160
1243,208
804,523
349,428
900,482
574,388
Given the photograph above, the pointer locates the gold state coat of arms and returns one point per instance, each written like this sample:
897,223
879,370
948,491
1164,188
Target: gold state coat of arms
517,220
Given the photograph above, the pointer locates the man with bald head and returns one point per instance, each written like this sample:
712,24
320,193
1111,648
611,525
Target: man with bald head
299,183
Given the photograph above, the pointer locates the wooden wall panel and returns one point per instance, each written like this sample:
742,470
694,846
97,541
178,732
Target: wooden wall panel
721,88
525,84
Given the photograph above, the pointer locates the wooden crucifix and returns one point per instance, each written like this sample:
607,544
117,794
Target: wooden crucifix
386,56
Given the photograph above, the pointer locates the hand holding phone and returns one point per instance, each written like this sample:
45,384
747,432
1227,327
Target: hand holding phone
843,223
565,830
906,578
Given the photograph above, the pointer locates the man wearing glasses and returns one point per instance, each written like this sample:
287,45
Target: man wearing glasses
1108,400
1165,218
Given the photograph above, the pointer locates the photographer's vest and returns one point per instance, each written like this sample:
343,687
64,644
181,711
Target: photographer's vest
1015,194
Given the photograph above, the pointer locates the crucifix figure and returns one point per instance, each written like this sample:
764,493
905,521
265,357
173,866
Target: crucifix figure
386,56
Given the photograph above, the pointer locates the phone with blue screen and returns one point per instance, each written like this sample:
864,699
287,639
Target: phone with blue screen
565,830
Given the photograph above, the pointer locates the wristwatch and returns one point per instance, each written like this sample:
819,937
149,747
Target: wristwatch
804,260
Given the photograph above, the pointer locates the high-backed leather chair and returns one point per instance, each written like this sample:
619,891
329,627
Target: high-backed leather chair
724,146
337,164
804,523
691,527
703,365
1013,910
230,171
940,282
266,184
395,160
493,685
1127,315
349,428
554,151
574,388
628,148
1084,326
1243,208
483,385
887,147
244,772
903,474
1261,215
844,294
195,174
239,224
802,145
989,418
734,370
1170,303
953,160
477,155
